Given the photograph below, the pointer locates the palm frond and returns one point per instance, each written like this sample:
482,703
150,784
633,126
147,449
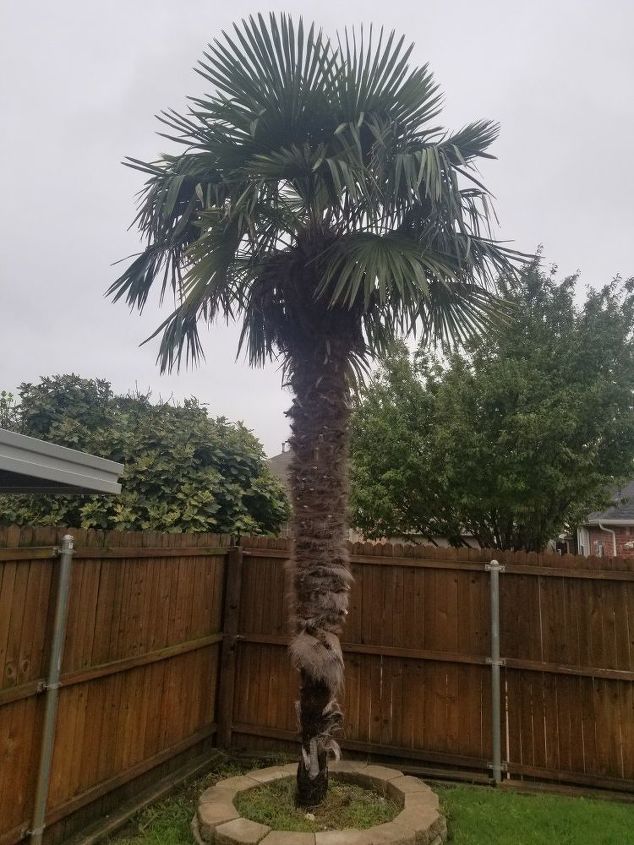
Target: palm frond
316,194
456,312
363,264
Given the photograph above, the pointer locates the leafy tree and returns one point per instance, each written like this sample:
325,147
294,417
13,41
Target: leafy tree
183,470
513,440
8,410
398,486
317,202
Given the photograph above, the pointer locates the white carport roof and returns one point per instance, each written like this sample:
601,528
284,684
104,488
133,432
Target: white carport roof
29,465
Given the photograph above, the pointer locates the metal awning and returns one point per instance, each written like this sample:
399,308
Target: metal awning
29,465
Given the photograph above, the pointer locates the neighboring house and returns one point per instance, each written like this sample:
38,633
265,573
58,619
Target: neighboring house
280,465
610,533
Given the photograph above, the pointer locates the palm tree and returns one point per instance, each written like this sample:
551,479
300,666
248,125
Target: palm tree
317,202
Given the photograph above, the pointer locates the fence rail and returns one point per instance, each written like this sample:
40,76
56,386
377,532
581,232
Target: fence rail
138,676
418,660
176,642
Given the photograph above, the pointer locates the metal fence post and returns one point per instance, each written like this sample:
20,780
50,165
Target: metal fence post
52,690
494,568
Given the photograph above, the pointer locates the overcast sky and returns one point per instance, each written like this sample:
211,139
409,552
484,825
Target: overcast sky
80,83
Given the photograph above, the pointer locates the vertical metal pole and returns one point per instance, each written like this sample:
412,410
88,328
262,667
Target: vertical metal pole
496,726
52,690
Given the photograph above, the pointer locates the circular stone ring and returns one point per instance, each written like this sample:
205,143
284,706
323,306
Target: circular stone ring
419,822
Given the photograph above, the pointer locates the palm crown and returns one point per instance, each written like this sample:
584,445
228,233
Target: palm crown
316,198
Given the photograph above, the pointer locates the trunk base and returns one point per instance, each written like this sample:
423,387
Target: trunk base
313,698
310,793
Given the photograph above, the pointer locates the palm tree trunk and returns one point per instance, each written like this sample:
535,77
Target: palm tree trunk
320,569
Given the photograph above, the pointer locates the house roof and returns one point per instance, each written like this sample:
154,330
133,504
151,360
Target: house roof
29,465
280,465
622,511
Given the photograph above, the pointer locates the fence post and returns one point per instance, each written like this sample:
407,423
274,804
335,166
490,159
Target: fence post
494,568
52,690
231,618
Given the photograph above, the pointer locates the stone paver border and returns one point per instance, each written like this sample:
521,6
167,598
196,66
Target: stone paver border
420,822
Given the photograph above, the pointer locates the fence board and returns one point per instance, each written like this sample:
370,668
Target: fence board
144,626
570,675
406,636
146,620
416,643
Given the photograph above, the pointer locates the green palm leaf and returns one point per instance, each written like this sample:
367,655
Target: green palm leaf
323,160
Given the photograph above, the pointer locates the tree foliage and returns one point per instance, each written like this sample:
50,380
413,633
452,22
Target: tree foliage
511,440
315,197
184,471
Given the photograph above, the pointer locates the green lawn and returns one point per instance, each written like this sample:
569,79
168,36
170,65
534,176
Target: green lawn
485,816
168,822
346,805
476,816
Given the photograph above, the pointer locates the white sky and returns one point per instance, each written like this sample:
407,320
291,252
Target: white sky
79,85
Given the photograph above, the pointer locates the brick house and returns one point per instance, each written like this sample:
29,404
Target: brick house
610,533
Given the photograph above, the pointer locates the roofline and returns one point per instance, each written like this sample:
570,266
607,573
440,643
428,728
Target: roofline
34,458
599,522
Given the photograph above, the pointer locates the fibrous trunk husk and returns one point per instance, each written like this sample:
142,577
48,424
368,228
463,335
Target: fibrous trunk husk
319,566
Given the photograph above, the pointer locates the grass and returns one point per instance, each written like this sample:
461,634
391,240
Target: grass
476,816
346,805
168,822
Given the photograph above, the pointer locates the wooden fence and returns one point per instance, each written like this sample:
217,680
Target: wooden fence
138,675
417,646
147,680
